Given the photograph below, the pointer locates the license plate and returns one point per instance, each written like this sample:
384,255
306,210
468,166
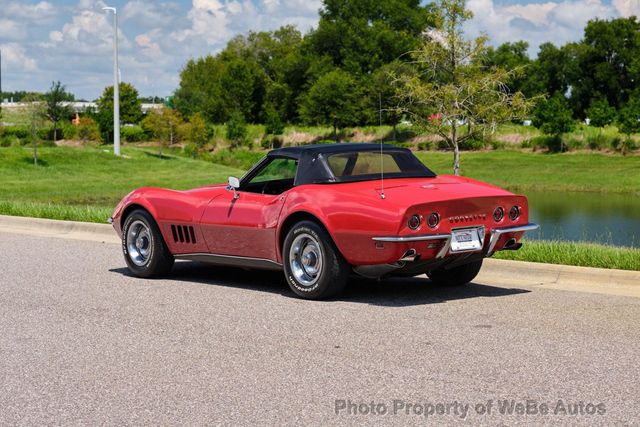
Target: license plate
467,239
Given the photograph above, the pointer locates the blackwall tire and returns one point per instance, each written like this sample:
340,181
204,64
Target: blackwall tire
313,266
456,276
144,249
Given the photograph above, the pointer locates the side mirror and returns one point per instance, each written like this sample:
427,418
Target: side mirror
234,183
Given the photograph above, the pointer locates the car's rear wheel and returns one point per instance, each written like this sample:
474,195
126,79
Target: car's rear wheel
145,251
456,276
313,266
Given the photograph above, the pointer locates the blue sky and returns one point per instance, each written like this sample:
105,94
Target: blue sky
71,40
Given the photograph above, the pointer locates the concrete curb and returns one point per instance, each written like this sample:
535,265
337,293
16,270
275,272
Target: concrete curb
56,228
495,271
560,277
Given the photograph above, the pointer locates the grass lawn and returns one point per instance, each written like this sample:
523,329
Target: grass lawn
85,184
575,253
525,171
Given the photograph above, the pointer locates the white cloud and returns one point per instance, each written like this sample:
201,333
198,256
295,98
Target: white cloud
150,14
90,32
534,12
271,5
16,59
536,23
148,47
627,7
12,30
36,12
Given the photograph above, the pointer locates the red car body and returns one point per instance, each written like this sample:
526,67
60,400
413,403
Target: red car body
368,220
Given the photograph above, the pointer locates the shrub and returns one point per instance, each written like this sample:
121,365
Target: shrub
553,116
598,141
401,144
443,145
623,145
600,113
133,133
16,131
271,142
45,133
9,141
274,124
238,158
237,130
68,131
471,144
497,145
88,130
425,146
574,144
550,142
191,150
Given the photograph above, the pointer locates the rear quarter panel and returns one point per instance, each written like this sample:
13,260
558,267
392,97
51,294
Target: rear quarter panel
354,213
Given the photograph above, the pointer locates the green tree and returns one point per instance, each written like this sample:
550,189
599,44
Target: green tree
197,132
273,122
600,113
553,71
362,35
332,100
237,131
608,61
465,99
162,124
37,113
56,105
511,56
217,86
553,117
130,109
382,93
629,122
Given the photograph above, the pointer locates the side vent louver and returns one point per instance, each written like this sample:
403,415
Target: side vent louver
183,234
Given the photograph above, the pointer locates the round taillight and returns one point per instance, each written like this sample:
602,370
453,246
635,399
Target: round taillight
514,213
433,220
498,214
414,222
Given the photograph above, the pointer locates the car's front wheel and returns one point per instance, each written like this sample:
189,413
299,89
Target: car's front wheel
145,251
313,266
455,276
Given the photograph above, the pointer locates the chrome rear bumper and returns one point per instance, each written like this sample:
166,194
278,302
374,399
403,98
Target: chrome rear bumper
496,233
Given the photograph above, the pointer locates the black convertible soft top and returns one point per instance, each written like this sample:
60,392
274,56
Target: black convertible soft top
314,149
313,167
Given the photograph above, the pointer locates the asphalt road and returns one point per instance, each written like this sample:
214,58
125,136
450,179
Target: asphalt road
82,343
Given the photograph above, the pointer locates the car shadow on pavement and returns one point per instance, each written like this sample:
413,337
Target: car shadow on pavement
406,291
391,292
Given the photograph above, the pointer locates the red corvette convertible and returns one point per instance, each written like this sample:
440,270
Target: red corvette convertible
322,212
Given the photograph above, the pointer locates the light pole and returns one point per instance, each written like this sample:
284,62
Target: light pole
116,84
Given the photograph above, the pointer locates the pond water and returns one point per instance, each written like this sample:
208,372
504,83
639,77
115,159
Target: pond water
593,217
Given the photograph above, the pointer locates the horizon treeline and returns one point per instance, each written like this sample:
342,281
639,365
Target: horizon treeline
342,72
358,45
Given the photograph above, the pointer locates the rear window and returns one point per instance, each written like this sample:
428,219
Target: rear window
363,165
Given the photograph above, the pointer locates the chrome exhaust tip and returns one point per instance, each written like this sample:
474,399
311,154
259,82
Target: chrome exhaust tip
512,245
409,256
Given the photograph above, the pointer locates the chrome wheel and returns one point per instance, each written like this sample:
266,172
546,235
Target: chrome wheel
139,243
306,259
